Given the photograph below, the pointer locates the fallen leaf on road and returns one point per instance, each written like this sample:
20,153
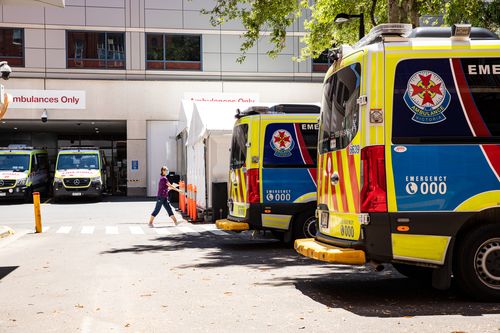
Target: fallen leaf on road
79,306
39,312
164,306
127,325
146,295
97,309
228,293
302,328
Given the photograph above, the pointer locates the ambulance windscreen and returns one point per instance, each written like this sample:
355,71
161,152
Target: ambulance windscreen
14,162
78,161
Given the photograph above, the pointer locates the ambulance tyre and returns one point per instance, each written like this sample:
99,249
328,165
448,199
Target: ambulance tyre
477,263
305,225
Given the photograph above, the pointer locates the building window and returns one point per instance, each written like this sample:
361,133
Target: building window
86,49
173,52
321,63
12,46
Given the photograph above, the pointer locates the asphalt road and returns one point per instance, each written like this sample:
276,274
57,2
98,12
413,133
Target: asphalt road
98,268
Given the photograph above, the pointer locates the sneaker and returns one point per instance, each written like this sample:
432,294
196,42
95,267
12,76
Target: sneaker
151,225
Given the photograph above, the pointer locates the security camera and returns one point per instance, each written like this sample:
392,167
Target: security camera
45,116
5,70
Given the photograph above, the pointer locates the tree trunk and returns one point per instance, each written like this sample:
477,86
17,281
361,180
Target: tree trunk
403,12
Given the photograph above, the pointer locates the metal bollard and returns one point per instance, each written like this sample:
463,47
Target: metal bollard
38,215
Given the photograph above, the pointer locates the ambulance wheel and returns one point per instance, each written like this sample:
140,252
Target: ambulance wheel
422,274
305,226
477,263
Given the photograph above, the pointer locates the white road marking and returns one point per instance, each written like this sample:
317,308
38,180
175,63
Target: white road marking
162,231
188,230
111,230
135,230
88,230
64,230
45,229
213,229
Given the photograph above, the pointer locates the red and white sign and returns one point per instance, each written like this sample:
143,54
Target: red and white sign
222,97
46,99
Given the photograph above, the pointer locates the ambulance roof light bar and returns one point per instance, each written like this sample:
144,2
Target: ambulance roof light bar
78,148
392,29
279,109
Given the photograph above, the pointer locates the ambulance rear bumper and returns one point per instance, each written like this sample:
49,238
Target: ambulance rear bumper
313,249
225,224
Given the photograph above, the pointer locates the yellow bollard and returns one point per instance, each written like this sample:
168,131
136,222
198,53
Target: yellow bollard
38,216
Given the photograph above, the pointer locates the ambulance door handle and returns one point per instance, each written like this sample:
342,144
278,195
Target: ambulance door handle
335,178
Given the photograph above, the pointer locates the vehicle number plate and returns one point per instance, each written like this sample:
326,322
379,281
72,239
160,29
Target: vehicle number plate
3,194
76,194
324,220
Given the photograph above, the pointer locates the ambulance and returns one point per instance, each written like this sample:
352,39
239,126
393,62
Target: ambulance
23,170
409,157
272,177
80,172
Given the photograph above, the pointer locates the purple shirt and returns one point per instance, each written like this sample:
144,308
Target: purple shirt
162,187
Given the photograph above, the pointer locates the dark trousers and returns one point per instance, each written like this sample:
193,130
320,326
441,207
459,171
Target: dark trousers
162,202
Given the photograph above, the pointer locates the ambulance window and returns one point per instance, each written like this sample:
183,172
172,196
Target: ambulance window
34,163
238,146
452,101
340,111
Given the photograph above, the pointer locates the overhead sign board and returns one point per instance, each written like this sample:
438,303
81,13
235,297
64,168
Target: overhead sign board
47,99
222,97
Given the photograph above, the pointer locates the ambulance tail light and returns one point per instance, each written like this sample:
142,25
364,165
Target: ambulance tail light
374,191
253,188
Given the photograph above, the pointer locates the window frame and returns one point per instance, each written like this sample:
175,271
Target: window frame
164,60
106,60
332,95
321,64
243,152
23,48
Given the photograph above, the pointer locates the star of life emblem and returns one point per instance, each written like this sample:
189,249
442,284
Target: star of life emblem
427,97
282,143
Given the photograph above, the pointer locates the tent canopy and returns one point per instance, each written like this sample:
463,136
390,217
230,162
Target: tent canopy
58,3
208,117
185,115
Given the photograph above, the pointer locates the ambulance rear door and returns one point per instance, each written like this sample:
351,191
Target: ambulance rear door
340,152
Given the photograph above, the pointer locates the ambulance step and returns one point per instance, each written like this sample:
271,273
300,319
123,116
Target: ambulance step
225,224
311,248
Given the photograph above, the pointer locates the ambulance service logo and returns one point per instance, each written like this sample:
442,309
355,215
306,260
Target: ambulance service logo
427,97
282,143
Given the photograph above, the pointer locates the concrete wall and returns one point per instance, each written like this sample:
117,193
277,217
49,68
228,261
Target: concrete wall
45,40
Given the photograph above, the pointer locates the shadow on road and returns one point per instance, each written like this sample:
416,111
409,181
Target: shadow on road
391,295
6,270
353,288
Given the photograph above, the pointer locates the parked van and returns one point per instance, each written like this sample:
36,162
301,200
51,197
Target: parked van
409,156
80,172
272,177
23,170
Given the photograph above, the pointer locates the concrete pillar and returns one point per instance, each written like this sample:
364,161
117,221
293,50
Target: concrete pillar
136,158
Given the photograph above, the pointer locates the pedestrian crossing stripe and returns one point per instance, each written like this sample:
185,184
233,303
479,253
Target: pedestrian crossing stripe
189,229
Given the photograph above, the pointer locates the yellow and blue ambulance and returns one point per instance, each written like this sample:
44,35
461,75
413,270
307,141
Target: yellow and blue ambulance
409,156
23,170
80,172
272,180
